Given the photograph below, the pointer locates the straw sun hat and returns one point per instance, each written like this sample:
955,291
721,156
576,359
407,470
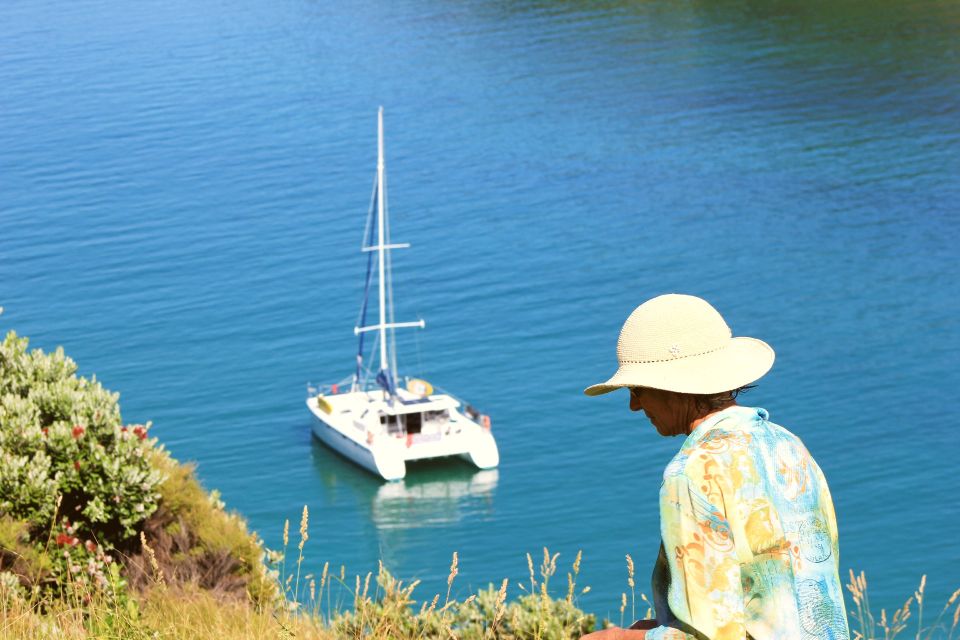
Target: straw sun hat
680,343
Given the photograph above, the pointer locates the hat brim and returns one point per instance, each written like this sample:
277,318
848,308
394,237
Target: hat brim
740,362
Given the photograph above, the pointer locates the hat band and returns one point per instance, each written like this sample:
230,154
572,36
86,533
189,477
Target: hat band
691,355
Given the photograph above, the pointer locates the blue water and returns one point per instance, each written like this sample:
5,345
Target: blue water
182,194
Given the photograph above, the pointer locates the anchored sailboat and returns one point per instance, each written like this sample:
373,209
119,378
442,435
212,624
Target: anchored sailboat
382,421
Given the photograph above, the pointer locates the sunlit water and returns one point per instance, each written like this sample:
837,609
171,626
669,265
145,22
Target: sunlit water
182,194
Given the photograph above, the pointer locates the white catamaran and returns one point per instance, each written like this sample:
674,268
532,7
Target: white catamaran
377,422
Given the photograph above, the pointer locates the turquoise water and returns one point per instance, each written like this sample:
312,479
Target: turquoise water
182,195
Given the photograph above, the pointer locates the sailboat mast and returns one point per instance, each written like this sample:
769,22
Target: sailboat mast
386,375
381,243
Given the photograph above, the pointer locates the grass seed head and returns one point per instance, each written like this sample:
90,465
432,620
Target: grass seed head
953,598
502,593
152,557
304,536
453,570
366,584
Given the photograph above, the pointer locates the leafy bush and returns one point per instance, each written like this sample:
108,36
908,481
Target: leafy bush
392,613
387,608
69,468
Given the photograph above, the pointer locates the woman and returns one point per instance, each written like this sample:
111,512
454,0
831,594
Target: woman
749,536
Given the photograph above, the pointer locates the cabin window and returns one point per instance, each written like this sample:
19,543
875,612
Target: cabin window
394,424
440,417
414,423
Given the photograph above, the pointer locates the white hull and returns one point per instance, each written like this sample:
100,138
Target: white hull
356,452
351,426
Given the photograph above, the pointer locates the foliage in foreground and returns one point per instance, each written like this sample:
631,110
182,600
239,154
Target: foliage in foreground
73,478
81,493
376,607
381,608
194,541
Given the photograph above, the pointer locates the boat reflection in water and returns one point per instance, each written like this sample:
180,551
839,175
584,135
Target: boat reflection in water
440,493
434,498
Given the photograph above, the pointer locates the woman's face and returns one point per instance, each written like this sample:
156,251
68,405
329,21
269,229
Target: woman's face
669,412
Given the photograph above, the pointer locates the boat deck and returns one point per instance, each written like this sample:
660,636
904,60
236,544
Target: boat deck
370,430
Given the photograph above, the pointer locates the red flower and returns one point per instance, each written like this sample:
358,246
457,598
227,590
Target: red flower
140,432
45,430
90,545
78,431
66,539
76,465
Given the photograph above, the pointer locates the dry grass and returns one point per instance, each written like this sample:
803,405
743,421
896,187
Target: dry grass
373,606
185,614
194,542
865,625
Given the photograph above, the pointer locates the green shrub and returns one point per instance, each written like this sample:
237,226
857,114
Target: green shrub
391,612
69,468
386,608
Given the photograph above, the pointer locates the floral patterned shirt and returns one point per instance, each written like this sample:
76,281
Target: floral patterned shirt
749,537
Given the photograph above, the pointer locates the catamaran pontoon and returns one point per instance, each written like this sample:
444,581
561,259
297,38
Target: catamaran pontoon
378,423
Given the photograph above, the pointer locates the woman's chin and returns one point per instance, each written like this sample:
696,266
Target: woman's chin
667,432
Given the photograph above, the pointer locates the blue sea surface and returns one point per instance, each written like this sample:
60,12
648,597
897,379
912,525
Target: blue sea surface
183,188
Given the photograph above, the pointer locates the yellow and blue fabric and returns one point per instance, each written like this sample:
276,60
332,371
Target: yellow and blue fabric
749,537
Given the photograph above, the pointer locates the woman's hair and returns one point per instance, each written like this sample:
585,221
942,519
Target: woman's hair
709,402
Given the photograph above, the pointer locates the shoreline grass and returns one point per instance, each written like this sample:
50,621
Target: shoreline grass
378,606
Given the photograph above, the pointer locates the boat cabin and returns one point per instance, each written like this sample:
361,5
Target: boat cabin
418,422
